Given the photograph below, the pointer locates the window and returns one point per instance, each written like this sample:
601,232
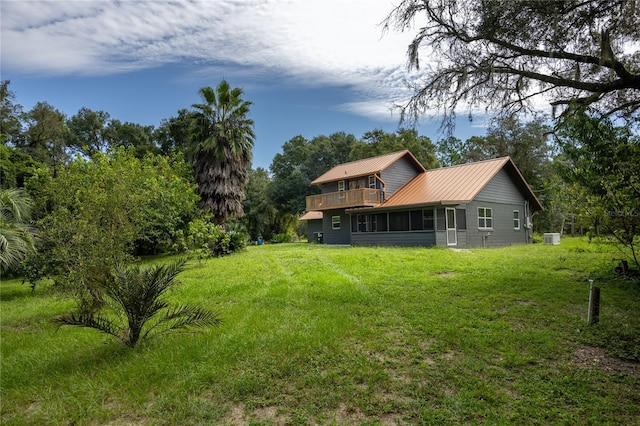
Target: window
340,185
399,221
335,222
428,218
381,222
485,218
461,218
417,223
516,220
372,181
363,220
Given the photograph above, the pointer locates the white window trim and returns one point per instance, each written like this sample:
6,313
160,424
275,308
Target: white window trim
333,223
485,228
516,228
372,181
341,186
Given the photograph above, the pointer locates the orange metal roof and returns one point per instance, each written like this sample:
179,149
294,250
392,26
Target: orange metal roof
311,216
455,185
368,166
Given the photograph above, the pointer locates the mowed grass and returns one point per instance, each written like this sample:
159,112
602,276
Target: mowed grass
339,335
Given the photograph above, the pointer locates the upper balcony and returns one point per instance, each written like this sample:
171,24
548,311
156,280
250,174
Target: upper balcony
363,197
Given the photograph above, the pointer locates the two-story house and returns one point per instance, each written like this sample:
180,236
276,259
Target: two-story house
393,200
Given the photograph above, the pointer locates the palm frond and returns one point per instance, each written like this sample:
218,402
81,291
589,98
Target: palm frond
98,322
182,318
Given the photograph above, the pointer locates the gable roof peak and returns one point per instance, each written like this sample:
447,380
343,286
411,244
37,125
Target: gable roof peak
366,166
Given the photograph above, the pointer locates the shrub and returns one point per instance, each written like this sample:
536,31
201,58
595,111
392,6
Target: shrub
281,238
135,308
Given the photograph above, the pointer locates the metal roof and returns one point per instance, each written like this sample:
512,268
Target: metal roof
311,216
456,185
368,166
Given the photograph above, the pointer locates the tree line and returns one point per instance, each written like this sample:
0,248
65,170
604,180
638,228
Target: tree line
206,172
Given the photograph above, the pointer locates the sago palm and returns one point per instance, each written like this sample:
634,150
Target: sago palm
16,235
221,142
136,308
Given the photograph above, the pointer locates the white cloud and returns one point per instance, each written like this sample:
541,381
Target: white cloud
312,42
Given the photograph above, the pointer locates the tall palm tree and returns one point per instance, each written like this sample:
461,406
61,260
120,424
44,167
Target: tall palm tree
16,235
136,308
221,142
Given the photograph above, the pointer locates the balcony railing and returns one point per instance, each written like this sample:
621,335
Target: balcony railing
336,200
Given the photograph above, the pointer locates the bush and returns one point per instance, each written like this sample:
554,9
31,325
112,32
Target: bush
205,238
281,238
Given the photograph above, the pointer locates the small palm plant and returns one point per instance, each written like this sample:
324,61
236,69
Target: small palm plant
135,307
17,239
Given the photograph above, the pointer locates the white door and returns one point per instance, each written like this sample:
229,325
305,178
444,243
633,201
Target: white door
452,237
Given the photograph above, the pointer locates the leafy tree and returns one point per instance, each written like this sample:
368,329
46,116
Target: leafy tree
16,167
221,144
94,213
136,307
16,235
301,162
526,143
174,133
378,142
260,213
88,132
507,54
131,135
10,115
603,159
44,137
451,151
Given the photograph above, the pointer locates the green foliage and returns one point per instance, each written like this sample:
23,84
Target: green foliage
16,167
378,142
221,141
17,239
10,115
526,143
173,134
603,159
207,239
301,162
45,135
88,132
260,213
93,214
136,307
281,238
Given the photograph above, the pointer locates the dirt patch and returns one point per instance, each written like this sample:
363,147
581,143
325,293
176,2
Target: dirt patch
589,356
239,415
445,275
344,415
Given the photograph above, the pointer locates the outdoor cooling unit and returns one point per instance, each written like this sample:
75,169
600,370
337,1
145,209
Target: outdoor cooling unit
552,239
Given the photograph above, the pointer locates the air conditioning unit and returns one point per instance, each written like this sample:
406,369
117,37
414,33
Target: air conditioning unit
551,239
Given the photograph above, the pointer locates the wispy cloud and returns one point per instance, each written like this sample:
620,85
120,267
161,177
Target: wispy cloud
311,42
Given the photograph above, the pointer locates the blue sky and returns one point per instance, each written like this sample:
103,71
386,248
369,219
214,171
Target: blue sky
310,67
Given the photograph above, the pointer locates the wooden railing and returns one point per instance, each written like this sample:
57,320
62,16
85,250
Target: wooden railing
336,200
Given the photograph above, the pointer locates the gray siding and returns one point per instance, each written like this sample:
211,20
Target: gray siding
397,174
501,190
329,187
503,197
502,233
336,236
313,226
402,238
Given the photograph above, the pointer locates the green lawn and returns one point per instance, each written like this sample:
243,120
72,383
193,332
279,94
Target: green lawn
337,335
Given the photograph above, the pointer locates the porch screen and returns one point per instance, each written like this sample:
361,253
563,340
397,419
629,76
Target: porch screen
399,221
